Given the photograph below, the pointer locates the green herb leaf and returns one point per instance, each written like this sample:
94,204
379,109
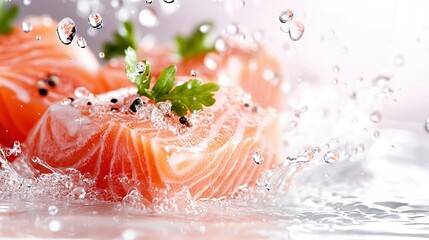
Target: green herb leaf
196,43
191,95
7,15
122,40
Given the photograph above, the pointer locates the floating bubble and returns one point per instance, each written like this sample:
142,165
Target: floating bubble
148,18
52,210
336,69
66,30
331,156
95,20
81,42
78,193
286,16
296,30
26,26
375,117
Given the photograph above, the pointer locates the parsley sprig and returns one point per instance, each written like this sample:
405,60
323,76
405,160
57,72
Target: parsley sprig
123,39
7,15
195,44
191,95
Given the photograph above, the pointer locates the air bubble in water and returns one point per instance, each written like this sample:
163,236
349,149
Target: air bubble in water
140,67
148,18
286,16
95,20
52,210
54,226
296,30
26,26
375,117
66,30
336,69
78,193
399,61
331,156
257,157
81,42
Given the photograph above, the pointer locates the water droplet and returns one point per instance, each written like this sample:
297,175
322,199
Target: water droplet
52,210
399,61
375,117
54,226
66,30
82,92
376,133
286,16
38,37
296,30
101,54
257,157
193,73
148,18
209,62
168,1
220,45
285,28
26,26
316,150
78,193
27,2
140,67
361,148
81,42
331,156
205,28
95,20
336,69
149,1
293,124
165,107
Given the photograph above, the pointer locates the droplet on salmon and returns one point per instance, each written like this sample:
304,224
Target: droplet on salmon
286,16
81,42
82,92
148,18
26,26
257,157
95,20
296,30
66,30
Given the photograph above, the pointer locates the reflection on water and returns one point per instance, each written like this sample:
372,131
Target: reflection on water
379,196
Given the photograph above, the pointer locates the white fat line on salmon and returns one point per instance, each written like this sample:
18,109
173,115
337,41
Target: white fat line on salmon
20,93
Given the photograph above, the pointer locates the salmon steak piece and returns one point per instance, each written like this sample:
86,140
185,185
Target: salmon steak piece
36,73
123,141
